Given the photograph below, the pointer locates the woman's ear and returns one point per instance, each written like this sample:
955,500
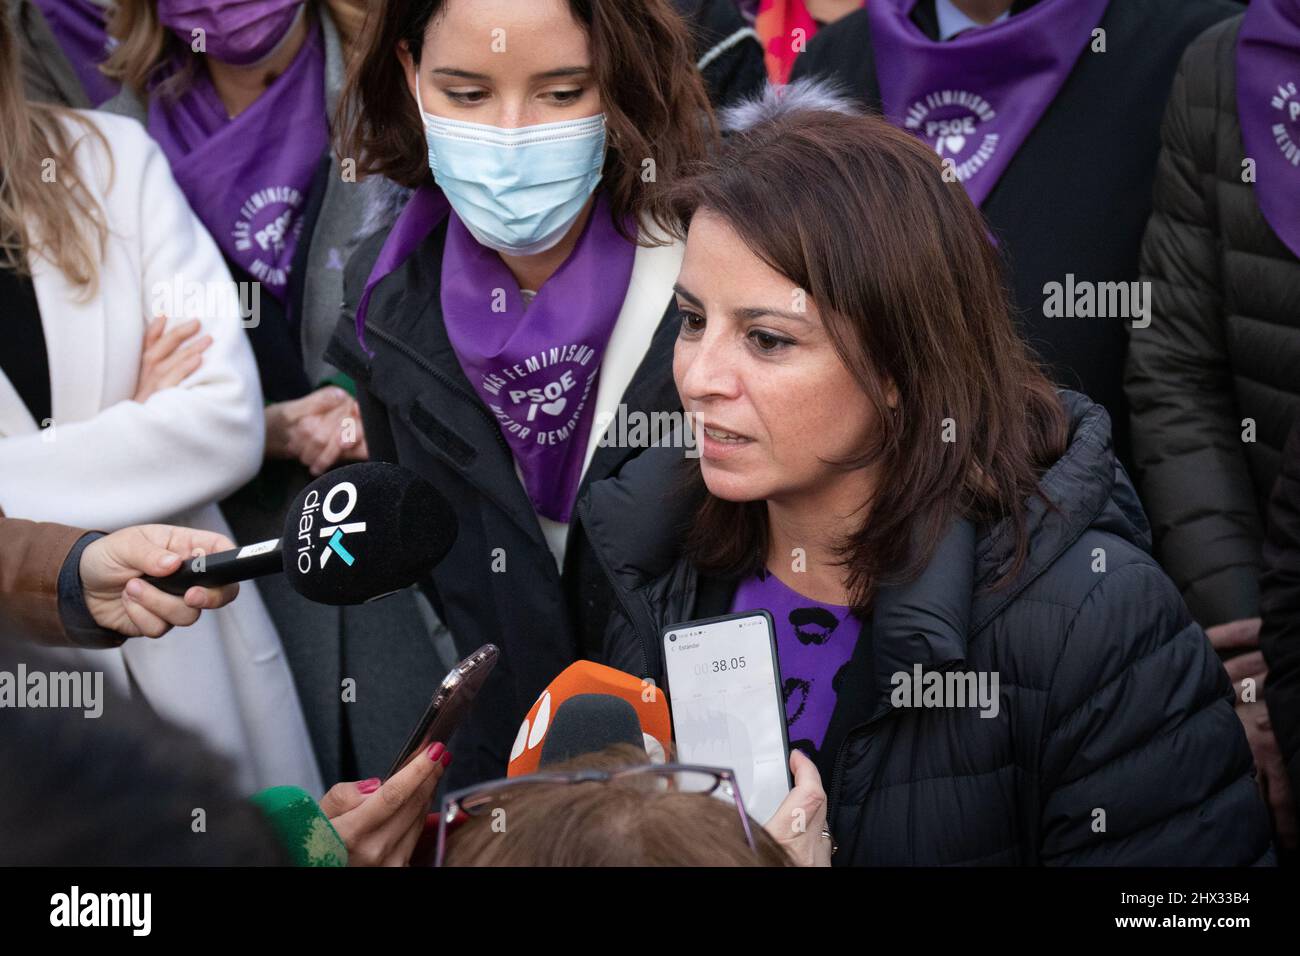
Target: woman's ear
409,66
891,393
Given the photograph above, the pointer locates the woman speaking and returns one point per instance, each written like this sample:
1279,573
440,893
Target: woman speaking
520,298
886,470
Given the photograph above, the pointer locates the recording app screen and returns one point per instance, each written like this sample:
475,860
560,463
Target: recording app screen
726,706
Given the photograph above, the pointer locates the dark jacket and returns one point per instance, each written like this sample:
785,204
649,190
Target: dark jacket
499,583
1223,346
1076,196
48,76
1111,698
1279,636
727,50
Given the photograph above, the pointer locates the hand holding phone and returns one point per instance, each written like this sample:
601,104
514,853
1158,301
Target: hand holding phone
450,703
381,822
724,689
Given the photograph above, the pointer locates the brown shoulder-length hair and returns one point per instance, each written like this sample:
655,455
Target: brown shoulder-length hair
658,114
910,287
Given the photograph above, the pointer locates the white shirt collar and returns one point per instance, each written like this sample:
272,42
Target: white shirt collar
952,21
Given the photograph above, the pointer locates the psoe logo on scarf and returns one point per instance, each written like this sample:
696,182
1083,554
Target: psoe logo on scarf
543,396
334,510
267,220
1287,102
951,121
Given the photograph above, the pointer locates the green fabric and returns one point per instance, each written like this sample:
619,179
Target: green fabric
302,827
342,381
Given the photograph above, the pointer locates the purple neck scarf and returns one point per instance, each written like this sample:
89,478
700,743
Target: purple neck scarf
976,97
536,369
1268,106
80,28
247,178
813,641
423,211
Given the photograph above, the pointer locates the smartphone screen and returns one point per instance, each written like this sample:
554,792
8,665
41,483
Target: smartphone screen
724,691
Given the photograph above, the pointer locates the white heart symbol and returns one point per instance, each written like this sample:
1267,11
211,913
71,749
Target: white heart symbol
555,407
955,143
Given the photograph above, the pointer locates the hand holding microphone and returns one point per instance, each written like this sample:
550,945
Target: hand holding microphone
119,600
358,533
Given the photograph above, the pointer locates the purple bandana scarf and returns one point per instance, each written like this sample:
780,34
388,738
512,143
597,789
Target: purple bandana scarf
489,343
80,28
813,641
977,97
247,178
423,211
1268,106
536,369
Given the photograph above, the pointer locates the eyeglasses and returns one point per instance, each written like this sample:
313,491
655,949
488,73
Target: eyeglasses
485,798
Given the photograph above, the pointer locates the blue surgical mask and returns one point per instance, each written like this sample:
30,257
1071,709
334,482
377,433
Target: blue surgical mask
516,190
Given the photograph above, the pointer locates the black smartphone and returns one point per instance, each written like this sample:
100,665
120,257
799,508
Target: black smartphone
450,703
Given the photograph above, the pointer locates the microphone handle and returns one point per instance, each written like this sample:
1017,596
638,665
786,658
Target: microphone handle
225,567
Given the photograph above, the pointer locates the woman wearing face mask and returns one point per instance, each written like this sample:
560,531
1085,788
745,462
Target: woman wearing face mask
977,648
239,95
218,83
518,301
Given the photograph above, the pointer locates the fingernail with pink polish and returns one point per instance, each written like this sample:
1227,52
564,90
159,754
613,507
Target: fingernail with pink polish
369,786
435,751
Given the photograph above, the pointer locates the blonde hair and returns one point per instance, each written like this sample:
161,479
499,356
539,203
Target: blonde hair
144,44
57,218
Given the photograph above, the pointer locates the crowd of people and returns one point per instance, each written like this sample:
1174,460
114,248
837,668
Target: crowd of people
983,315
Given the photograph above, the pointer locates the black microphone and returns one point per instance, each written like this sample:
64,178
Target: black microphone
354,534
588,723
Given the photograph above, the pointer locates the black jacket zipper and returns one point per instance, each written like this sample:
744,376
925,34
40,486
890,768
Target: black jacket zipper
833,792
618,592
442,378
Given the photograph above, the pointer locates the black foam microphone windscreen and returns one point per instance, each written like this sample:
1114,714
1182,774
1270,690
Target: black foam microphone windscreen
588,723
355,534
362,531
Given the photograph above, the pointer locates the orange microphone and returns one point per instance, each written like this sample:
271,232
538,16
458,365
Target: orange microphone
586,708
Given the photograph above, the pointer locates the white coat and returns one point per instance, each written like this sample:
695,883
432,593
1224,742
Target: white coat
106,462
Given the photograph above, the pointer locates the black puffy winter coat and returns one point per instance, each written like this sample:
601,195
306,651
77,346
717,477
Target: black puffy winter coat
1223,346
1115,742
1279,637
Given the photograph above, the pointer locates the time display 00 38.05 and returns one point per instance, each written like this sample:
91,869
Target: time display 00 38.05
720,665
